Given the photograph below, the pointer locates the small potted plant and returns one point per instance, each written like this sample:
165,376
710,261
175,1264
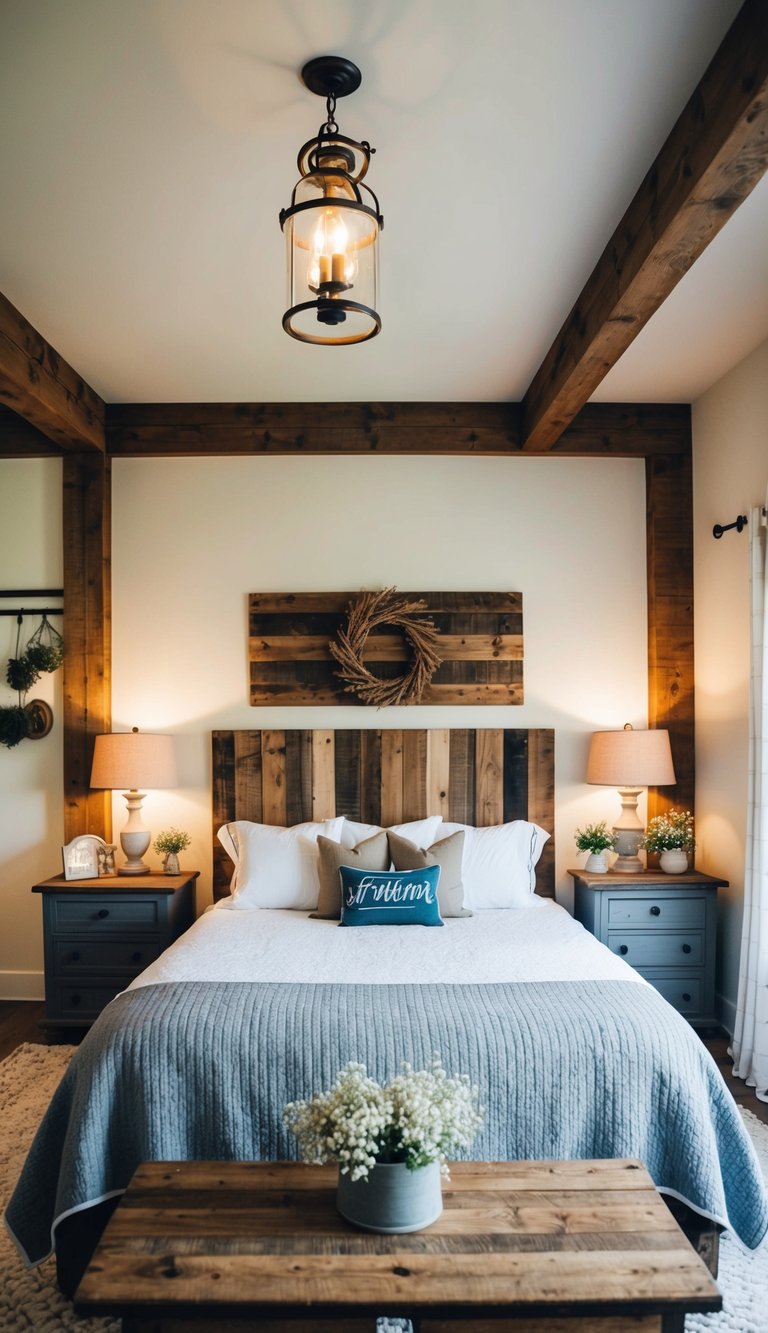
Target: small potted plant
168,844
671,835
596,840
390,1141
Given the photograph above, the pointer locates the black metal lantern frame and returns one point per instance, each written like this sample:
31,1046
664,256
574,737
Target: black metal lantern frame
332,226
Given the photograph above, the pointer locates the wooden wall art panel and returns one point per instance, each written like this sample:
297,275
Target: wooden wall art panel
480,643
481,777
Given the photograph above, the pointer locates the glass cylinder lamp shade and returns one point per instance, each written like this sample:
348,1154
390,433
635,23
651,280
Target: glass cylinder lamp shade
332,232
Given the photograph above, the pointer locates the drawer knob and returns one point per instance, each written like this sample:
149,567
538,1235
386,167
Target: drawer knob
686,997
623,948
75,999
136,956
75,955
102,913
655,910
686,948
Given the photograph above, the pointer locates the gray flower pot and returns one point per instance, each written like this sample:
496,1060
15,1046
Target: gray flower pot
393,1198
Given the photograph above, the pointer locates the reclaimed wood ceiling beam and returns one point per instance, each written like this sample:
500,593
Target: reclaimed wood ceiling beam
713,158
474,429
150,429
20,439
41,387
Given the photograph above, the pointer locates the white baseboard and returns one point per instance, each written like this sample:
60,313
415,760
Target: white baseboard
726,1012
22,986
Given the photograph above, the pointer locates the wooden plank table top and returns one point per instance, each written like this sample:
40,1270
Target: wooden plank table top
535,1247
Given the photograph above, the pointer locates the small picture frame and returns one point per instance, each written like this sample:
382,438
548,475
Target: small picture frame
106,859
81,857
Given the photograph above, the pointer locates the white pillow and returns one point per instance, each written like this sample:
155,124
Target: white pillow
498,865
421,831
276,867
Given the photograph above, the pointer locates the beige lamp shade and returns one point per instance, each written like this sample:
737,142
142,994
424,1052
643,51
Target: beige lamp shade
129,760
630,758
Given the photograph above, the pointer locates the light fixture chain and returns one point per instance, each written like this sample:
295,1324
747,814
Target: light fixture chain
330,110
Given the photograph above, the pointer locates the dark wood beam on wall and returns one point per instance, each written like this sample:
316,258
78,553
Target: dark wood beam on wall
88,637
41,387
713,158
256,429
20,439
669,554
627,430
153,430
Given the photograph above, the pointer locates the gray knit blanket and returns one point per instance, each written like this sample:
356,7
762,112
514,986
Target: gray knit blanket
565,1069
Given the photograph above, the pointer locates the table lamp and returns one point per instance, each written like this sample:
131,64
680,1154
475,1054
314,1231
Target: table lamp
132,760
630,760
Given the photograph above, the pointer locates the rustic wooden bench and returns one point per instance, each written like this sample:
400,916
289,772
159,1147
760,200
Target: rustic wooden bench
534,1247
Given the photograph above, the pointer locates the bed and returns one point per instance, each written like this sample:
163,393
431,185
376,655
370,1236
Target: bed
260,1003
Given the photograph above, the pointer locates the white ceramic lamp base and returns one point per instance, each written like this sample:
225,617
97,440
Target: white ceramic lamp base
134,838
629,832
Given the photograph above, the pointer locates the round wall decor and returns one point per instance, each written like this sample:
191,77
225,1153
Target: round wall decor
39,719
386,608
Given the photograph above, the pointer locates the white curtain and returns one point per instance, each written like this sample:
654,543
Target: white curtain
750,1042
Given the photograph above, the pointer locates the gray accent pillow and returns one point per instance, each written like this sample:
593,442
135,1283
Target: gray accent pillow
446,854
372,854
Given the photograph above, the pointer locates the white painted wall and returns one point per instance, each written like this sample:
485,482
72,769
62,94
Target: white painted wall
191,538
730,452
31,787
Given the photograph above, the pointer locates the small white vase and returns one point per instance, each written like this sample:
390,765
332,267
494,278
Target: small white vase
392,1199
171,863
596,863
674,861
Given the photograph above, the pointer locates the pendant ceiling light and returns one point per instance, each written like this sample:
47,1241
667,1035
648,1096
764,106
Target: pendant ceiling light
332,228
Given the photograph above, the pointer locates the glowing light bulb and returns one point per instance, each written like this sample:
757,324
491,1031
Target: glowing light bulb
339,235
332,258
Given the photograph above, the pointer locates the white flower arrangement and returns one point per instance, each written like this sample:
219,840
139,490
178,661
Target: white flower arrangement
666,832
416,1118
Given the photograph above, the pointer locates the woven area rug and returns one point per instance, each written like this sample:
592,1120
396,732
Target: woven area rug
30,1299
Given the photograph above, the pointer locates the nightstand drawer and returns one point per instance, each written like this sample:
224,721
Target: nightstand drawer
663,911
103,914
102,933
658,948
103,956
81,1002
683,993
663,925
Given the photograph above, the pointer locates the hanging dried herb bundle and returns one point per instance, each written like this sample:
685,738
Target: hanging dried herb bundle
21,674
44,652
42,657
13,726
45,649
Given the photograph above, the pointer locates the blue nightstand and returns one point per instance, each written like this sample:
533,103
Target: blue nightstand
101,933
665,926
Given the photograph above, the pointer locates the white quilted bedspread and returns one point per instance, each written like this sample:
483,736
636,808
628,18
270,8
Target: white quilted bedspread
536,943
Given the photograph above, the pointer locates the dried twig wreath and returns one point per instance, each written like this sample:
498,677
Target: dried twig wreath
386,608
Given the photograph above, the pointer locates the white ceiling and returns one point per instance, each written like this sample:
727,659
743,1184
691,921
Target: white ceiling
146,147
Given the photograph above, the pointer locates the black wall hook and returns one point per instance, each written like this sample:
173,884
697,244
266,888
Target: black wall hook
739,525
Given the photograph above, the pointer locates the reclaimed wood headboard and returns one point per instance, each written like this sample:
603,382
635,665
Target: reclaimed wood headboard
481,777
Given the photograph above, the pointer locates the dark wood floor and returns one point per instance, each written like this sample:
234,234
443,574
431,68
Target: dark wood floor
19,1022
717,1045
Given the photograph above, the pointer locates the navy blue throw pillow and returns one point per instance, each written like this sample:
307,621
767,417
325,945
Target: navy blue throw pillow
390,897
